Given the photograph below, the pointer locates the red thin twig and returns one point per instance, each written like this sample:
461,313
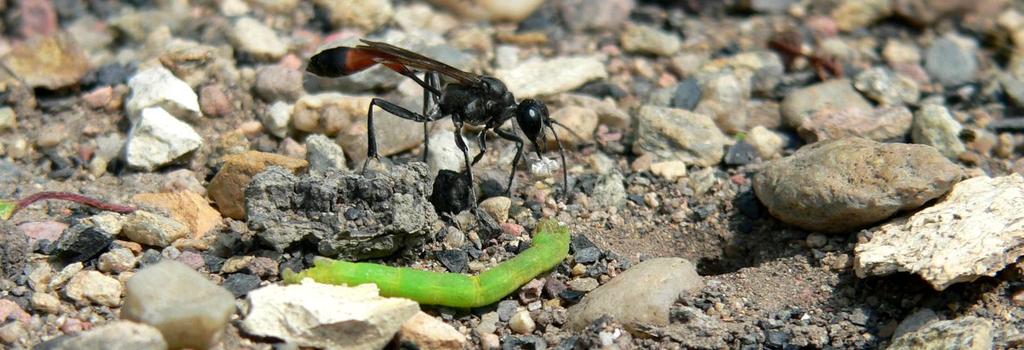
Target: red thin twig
823,66
74,197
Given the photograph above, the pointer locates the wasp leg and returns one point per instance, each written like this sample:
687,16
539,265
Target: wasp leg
399,111
481,139
465,156
430,101
511,136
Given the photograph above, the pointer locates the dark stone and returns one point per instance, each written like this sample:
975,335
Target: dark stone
687,95
487,227
451,192
704,211
553,287
602,89
81,242
748,205
213,262
584,250
109,74
571,296
776,339
860,316
570,343
454,260
14,250
636,198
150,256
507,308
596,270
523,342
741,153
240,284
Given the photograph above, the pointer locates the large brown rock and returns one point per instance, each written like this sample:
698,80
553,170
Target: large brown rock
840,185
227,188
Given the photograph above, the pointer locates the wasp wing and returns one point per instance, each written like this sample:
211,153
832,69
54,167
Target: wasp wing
388,53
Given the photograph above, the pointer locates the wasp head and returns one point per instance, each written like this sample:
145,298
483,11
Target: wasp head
532,117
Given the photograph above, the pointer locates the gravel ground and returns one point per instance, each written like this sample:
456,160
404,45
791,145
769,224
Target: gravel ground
772,174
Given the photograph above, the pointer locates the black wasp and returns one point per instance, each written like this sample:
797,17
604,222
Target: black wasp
466,98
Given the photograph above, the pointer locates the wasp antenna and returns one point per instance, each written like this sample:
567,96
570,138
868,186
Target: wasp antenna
565,171
571,131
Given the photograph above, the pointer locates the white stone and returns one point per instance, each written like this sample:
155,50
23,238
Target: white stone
8,119
310,314
93,286
188,309
323,153
443,153
277,118
768,143
669,170
976,230
551,76
497,207
45,302
522,323
158,139
255,38
158,87
116,260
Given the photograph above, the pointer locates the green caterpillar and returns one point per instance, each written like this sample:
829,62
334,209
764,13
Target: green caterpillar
550,247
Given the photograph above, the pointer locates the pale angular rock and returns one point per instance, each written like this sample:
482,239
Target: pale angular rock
323,153
933,125
835,95
669,170
158,139
443,153
116,261
522,323
497,207
117,335
551,76
158,87
969,333
94,287
650,288
840,185
187,207
45,302
189,310
426,332
768,143
151,229
257,39
277,117
976,230
581,121
879,124
650,40
326,316
365,14
677,134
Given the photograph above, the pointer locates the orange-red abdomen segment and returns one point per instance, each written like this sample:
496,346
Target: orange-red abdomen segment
341,61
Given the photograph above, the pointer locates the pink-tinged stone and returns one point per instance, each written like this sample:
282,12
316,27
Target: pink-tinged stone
48,230
191,259
10,309
515,230
38,18
99,97
291,61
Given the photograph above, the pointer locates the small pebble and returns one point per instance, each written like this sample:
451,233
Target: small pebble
522,323
584,284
